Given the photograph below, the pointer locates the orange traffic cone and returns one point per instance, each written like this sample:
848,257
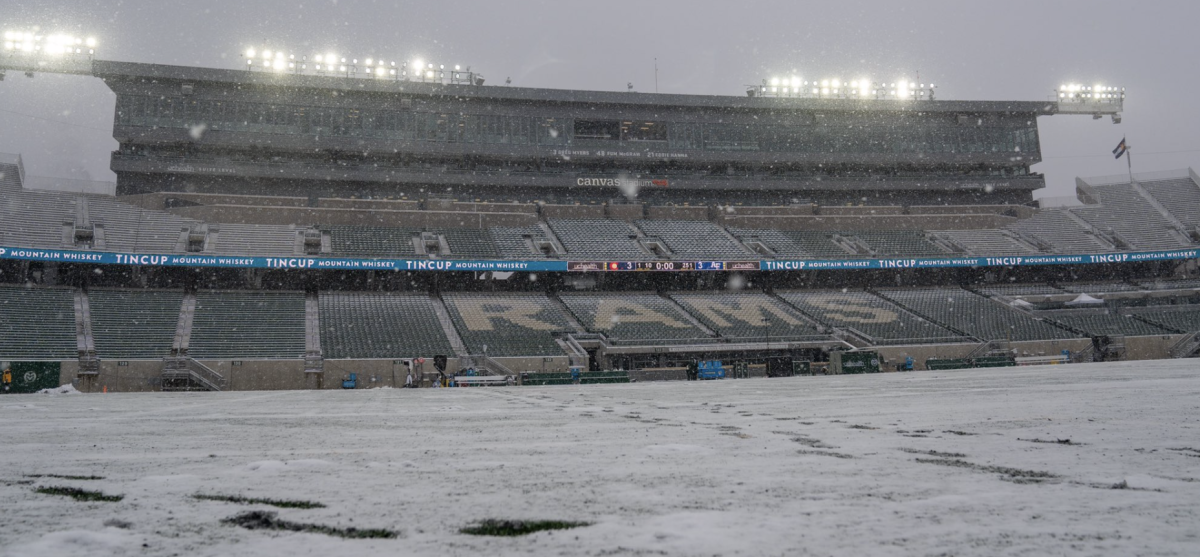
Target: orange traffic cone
106,389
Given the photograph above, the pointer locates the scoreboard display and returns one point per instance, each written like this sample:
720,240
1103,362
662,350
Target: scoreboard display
663,266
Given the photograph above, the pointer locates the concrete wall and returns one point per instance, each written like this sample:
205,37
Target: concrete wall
864,211
367,204
1021,211
134,376
572,211
628,212
886,222
1149,348
892,355
673,212
524,208
793,210
352,217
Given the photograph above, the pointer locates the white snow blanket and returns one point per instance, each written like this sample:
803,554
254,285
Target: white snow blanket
928,463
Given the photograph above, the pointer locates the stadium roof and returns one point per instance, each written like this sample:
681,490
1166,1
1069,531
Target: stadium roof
109,70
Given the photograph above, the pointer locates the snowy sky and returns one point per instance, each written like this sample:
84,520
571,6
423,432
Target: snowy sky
972,50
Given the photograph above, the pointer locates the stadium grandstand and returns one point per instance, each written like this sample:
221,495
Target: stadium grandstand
279,230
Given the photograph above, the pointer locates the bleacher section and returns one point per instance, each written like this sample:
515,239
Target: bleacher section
975,315
1180,196
133,324
508,324
1018,290
1168,284
820,244
598,239
1099,287
231,324
749,316
133,229
779,243
1061,233
371,241
256,239
1179,318
1127,213
988,242
468,243
37,323
696,239
870,317
899,243
511,241
370,325
1094,324
633,318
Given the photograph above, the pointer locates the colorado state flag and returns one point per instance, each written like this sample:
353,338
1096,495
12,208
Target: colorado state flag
1120,150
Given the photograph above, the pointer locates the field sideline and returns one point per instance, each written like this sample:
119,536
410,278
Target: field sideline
928,463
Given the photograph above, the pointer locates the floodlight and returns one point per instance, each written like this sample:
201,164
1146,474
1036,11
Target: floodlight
249,62
795,81
91,43
418,63
379,71
369,62
457,67
774,81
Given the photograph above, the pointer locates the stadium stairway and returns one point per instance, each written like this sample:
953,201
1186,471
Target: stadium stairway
443,316
314,361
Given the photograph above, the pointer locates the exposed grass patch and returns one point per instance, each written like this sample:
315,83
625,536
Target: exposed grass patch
859,426
826,453
281,503
64,477
959,432
79,494
1050,441
1011,474
814,443
266,520
493,527
938,454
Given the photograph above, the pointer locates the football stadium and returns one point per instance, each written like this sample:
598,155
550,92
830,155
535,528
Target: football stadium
326,223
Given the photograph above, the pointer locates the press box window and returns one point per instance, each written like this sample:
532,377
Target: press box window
643,131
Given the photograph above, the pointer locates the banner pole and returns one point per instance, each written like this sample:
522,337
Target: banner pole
1129,162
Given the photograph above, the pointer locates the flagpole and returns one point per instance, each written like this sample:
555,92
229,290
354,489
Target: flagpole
1129,162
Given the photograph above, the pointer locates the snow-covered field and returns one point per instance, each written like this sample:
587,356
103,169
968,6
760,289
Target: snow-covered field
926,463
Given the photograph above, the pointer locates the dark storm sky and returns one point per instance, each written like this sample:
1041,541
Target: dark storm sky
972,50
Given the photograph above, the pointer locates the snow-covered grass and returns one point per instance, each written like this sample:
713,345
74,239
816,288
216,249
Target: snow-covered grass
926,463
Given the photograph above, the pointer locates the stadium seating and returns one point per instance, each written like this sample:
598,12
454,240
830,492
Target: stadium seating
370,241
1184,319
1087,287
261,325
1017,290
1126,212
134,229
508,324
899,243
598,239
134,324
749,316
33,220
468,243
1061,233
778,242
1179,196
37,323
511,244
633,318
256,239
988,243
1170,284
694,239
870,316
367,325
1094,324
975,315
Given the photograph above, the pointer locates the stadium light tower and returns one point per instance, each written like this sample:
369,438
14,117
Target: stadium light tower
1098,100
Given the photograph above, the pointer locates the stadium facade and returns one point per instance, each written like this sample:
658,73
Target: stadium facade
273,228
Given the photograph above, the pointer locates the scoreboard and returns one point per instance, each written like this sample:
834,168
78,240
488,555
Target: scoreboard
663,266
